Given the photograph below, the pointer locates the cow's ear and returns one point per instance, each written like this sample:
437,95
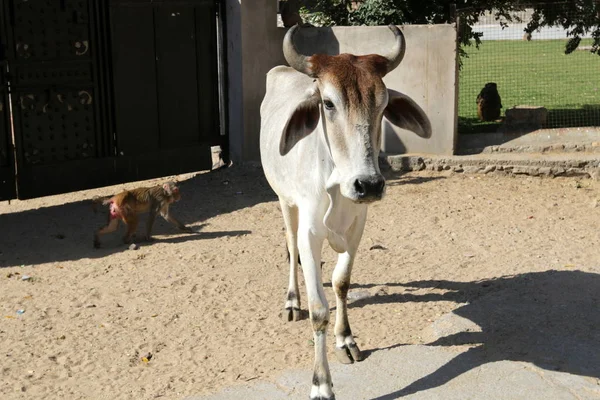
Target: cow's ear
405,113
303,120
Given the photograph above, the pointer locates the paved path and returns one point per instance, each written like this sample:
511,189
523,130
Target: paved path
410,372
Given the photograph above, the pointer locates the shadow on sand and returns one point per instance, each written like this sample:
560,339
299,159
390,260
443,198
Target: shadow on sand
64,232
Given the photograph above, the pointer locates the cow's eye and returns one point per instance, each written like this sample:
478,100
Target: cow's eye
328,104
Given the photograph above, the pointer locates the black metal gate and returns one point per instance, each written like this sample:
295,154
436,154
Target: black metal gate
7,165
109,92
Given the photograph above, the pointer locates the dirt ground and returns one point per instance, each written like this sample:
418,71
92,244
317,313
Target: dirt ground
191,313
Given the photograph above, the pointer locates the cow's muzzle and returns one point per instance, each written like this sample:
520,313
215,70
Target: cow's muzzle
369,188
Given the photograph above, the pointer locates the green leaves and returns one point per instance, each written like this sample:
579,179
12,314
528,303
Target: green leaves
578,17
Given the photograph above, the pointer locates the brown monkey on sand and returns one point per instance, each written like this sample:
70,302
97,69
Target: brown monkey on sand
489,103
126,206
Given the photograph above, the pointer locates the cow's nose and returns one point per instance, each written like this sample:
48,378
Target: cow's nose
369,188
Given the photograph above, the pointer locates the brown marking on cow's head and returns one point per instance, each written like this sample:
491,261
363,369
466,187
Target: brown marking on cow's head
349,98
358,78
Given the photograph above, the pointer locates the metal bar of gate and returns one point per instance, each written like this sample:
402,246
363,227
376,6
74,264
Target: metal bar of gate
7,162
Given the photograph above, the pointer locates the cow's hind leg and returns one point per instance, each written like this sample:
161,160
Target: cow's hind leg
346,349
292,300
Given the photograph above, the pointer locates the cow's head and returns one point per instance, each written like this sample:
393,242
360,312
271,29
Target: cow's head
350,97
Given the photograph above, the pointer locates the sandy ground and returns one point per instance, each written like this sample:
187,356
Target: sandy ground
192,313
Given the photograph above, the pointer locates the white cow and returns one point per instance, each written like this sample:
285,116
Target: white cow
319,141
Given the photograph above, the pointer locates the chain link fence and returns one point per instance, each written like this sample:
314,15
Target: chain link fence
515,80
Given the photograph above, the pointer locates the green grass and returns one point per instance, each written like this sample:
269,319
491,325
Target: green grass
535,73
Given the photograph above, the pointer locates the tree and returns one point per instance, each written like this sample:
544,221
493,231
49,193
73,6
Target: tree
578,17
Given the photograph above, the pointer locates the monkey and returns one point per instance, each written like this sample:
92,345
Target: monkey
126,206
489,103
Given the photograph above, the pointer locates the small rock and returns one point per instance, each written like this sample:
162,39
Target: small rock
133,246
90,306
547,171
25,278
354,295
472,169
377,247
413,164
520,170
147,357
595,174
576,172
379,291
489,168
558,171
533,171
20,312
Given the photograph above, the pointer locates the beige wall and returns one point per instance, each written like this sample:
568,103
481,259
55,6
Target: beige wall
261,51
427,74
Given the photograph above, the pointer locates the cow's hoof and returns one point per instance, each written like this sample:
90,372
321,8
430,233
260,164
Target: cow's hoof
322,388
348,354
292,314
322,397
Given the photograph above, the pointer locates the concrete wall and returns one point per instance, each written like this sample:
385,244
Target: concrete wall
253,48
233,50
427,74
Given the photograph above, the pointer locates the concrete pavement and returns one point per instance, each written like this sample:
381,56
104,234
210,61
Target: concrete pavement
405,372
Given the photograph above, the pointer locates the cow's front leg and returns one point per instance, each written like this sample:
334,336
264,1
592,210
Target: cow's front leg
292,300
346,349
310,243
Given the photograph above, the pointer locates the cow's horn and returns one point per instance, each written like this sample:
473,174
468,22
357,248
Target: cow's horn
296,60
397,53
